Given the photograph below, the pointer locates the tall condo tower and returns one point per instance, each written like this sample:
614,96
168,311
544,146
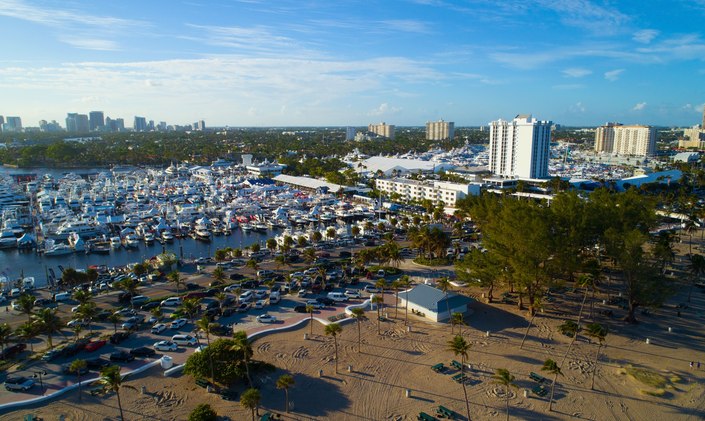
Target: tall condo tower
520,148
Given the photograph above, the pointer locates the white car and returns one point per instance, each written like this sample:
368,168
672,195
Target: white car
352,293
266,318
152,320
171,302
158,328
75,309
76,322
165,346
259,304
315,304
260,293
178,323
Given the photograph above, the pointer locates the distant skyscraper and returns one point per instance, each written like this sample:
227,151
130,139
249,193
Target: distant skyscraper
349,133
625,140
140,124
440,130
77,123
2,121
119,124
44,126
519,148
200,125
12,124
382,129
96,120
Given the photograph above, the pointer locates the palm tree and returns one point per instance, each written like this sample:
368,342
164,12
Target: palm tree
175,278
130,286
48,323
115,319
444,285
405,283
157,313
309,310
111,380
77,329
88,311
309,255
285,381
322,275
599,332
82,296
190,307
397,285
696,268
204,325
242,344
5,335
250,399
690,227
503,377
334,330
537,305
457,319
460,347
377,300
359,315
219,274
381,284
221,297
252,264
27,331
77,366
26,304
552,367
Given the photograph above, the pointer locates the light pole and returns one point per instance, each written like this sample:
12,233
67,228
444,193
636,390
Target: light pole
41,382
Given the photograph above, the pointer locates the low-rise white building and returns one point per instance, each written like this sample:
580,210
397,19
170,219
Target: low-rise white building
265,169
433,303
436,191
399,166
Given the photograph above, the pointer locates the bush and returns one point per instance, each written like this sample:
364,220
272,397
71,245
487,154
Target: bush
432,262
203,412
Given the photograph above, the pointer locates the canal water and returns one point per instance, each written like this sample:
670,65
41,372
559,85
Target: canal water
15,263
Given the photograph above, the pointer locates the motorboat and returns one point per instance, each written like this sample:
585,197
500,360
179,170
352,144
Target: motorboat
202,233
115,242
56,249
76,242
26,242
148,238
7,240
131,241
167,236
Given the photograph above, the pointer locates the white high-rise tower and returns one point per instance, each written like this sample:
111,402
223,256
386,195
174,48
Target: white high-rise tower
520,148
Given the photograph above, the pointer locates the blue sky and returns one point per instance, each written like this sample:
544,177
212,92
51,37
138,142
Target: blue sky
350,62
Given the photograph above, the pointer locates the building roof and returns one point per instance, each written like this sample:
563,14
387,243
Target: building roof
432,298
307,182
376,163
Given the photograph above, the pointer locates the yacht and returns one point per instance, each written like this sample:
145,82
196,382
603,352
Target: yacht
167,236
26,242
131,241
76,242
148,238
202,233
7,240
115,242
54,249
81,228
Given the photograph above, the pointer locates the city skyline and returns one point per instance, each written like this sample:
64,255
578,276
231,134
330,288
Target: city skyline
253,63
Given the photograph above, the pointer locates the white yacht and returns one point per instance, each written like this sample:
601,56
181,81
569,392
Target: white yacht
7,240
54,249
76,242
115,242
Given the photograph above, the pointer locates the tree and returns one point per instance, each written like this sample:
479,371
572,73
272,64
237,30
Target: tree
538,305
255,247
243,346
317,236
129,286
175,278
250,399
115,319
552,367
5,335
82,296
405,282
444,285
88,311
460,347
309,255
396,285
696,268
140,269
203,412
271,244
219,274
28,331
285,381
457,319
111,380
190,307
359,315
355,230
48,323
77,329
26,304
301,241
228,356
599,332
309,310
204,325
252,264
78,366
377,301
322,275
506,379
334,330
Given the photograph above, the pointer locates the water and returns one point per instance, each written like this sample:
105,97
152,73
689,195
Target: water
15,263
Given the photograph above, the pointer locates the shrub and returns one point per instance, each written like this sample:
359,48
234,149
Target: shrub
203,412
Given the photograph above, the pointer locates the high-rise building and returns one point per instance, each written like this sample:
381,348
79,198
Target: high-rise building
618,139
520,148
702,126
200,125
96,120
140,124
12,124
77,123
382,129
44,126
2,121
349,133
440,130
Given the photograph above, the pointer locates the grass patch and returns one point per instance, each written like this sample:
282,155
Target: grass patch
432,262
659,393
647,377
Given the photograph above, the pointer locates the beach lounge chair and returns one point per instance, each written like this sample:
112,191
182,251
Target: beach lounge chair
460,377
444,412
438,368
540,390
267,416
456,365
537,377
425,417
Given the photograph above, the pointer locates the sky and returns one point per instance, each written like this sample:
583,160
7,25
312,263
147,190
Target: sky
355,62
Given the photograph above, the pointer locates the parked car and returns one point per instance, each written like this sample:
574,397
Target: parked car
72,349
139,300
371,289
227,311
178,323
165,346
118,337
221,329
132,323
19,383
97,363
158,328
126,312
52,354
66,369
150,305
353,293
242,308
94,345
143,351
315,304
266,318
192,286
326,301
12,351
259,304
260,293
300,309
121,356
171,302
77,322
184,340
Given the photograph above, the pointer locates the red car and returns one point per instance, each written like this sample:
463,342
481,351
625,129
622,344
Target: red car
94,345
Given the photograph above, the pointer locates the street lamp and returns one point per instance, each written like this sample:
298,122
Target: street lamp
41,382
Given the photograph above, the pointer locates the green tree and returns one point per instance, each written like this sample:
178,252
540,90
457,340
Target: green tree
250,399
140,269
48,323
219,274
285,381
78,366
272,244
696,267
460,348
377,301
115,319
27,331
552,367
228,362
309,310
5,335
334,330
88,311
317,236
26,304
309,255
252,264
457,319
82,296
204,325
111,380
190,307
505,378
301,241
175,278
444,285
255,247
359,315
243,346
203,412
599,332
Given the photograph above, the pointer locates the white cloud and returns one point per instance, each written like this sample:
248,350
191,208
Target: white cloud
383,109
578,107
639,106
613,75
92,44
645,36
407,25
576,72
